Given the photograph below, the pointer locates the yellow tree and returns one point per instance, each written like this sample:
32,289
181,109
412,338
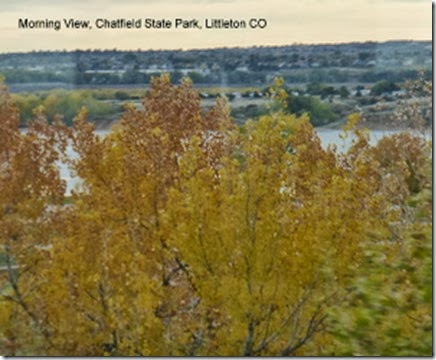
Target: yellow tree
30,194
273,238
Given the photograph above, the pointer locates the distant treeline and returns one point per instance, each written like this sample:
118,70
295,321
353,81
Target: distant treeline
68,103
22,76
106,104
323,102
356,62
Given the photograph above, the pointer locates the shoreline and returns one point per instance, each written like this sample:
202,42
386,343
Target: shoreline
106,125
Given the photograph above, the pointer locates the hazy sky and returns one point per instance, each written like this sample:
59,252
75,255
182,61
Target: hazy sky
289,21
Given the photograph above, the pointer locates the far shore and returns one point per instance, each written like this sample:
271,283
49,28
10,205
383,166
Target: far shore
107,125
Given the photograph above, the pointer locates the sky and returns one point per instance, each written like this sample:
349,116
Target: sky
288,22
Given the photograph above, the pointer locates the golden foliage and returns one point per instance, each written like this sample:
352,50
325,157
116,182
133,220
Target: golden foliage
189,235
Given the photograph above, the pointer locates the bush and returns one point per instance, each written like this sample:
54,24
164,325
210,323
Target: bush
384,86
320,113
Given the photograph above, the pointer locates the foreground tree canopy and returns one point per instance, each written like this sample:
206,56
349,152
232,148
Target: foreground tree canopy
192,236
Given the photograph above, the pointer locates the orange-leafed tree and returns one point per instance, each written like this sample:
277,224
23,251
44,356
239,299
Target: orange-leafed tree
122,287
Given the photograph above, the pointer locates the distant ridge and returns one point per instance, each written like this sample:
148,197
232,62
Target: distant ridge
398,41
